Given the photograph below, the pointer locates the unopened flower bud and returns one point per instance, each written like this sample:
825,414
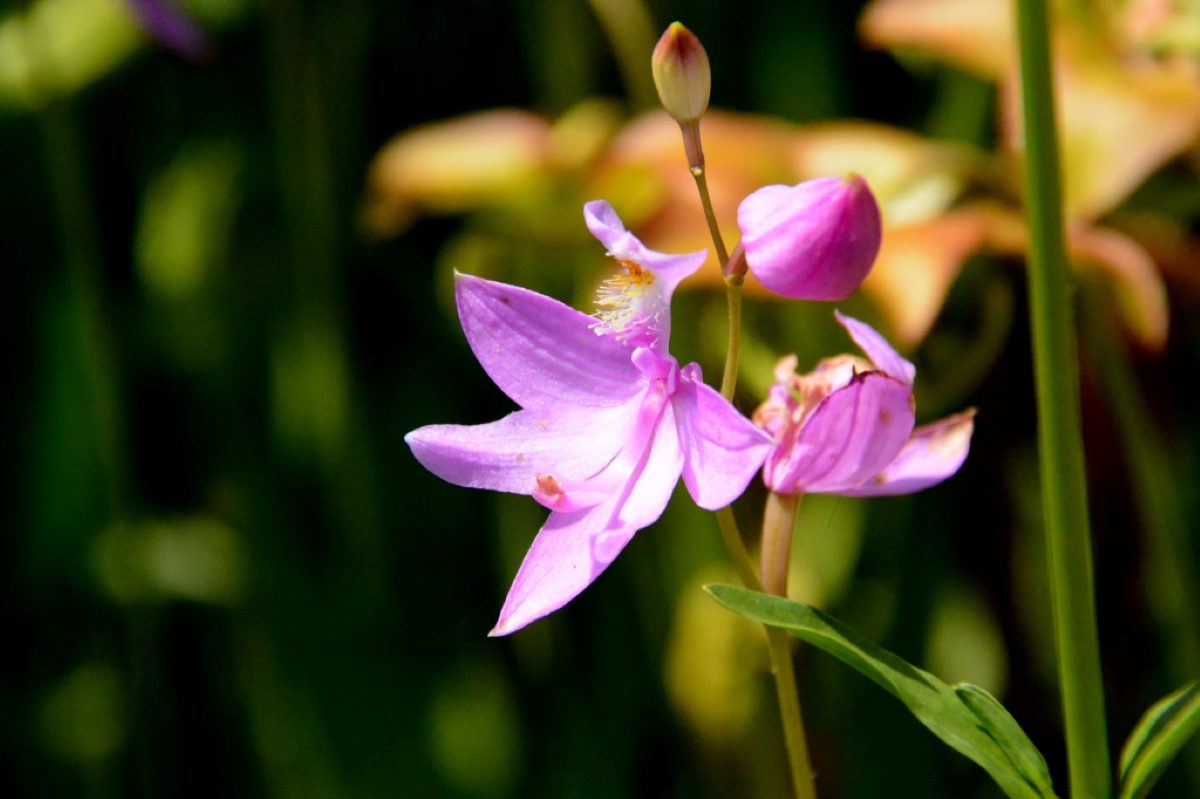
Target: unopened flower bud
813,241
681,73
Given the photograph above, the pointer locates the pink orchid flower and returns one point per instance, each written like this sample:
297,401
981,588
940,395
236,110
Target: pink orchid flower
608,421
847,426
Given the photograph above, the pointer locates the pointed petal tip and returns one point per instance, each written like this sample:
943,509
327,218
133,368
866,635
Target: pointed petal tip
877,348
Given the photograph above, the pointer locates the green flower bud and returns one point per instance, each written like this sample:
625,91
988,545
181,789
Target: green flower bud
681,74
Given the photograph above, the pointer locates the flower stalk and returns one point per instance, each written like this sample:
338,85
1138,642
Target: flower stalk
1060,438
779,519
779,647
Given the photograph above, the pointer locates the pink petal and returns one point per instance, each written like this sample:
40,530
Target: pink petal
813,241
509,454
606,226
722,449
541,353
849,437
572,549
935,452
877,349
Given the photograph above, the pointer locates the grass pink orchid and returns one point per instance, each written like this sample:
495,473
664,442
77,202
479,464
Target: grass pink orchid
848,426
608,420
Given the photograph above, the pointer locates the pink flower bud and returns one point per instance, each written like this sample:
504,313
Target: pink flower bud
681,73
813,241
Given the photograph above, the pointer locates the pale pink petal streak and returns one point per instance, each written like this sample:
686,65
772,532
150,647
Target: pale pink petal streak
935,451
540,352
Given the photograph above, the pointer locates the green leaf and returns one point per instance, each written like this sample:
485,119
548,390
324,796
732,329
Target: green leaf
1157,738
966,717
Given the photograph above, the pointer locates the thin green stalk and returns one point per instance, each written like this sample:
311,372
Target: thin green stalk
1060,437
779,519
742,563
803,778
779,644
733,298
709,215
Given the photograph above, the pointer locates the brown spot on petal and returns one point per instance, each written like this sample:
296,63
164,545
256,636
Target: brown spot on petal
548,486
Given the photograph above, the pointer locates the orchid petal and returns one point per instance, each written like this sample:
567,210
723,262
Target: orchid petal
540,352
722,449
669,269
509,454
935,451
572,549
885,358
849,438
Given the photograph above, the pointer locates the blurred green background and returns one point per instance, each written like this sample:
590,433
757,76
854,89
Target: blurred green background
224,573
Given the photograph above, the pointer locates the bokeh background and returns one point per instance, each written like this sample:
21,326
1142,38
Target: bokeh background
225,286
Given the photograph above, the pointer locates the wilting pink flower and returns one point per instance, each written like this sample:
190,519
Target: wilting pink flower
608,421
847,426
812,241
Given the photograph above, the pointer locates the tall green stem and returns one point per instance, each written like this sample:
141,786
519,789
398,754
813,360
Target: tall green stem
1060,438
779,644
779,519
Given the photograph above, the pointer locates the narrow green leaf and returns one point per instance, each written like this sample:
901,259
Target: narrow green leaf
1003,728
1157,738
969,719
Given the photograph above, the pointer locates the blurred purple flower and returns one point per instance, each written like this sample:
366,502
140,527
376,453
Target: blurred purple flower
847,427
171,27
608,424
816,240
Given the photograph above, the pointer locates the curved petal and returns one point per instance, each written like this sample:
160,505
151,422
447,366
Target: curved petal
850,436
935,452
670,269
722,449
572,549
885,358
540,352
509,454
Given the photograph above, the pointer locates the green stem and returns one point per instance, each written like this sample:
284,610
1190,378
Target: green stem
742,562
779,644
709,215
779,519
803,778
733,298
1060,437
